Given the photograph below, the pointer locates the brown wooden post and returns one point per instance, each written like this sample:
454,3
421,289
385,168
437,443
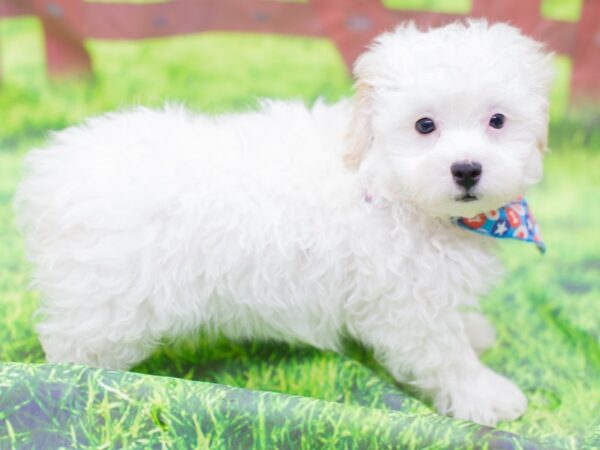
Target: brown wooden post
64,24
585,78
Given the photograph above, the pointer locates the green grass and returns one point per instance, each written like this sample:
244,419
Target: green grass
569,10
547,310
445,6
96,409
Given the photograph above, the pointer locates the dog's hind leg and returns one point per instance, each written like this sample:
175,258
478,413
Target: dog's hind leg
102,321
84,337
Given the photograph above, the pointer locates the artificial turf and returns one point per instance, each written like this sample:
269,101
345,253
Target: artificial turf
546,310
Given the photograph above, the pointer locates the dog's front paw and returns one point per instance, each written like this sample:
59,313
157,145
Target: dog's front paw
485,399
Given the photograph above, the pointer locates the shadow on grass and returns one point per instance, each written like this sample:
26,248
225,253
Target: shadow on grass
353,378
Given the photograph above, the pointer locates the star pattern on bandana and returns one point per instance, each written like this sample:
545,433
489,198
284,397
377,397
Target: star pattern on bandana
500,228
513,221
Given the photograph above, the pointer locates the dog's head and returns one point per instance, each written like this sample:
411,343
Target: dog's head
454,119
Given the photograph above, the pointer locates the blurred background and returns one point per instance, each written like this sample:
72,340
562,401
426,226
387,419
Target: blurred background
220,55
63,60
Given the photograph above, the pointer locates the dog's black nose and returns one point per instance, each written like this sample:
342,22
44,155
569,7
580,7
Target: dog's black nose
466,174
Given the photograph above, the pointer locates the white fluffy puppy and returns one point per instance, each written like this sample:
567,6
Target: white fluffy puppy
300,224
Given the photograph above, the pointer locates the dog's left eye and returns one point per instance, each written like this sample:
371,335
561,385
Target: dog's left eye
425,125
497,121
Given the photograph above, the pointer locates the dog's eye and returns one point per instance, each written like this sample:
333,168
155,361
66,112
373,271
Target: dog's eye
425,125
497,121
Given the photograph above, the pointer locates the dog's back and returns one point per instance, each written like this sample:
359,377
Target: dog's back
135,220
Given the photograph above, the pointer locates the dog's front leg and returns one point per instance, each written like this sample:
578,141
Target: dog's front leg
479,330
433,352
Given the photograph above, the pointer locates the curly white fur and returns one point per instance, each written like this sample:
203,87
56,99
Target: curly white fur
148,225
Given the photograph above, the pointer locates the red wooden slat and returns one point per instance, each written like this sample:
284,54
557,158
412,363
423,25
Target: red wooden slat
424,19
558,36
131,21
524,14
352,24
585,79
11,8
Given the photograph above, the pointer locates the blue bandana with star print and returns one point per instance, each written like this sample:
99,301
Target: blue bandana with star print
513,221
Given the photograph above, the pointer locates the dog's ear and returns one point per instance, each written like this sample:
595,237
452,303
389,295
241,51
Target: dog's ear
370,70
360,134
542,141
542,144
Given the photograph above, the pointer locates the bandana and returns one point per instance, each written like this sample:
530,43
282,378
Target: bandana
513,221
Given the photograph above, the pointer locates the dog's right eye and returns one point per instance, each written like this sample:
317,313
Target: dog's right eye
425,125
